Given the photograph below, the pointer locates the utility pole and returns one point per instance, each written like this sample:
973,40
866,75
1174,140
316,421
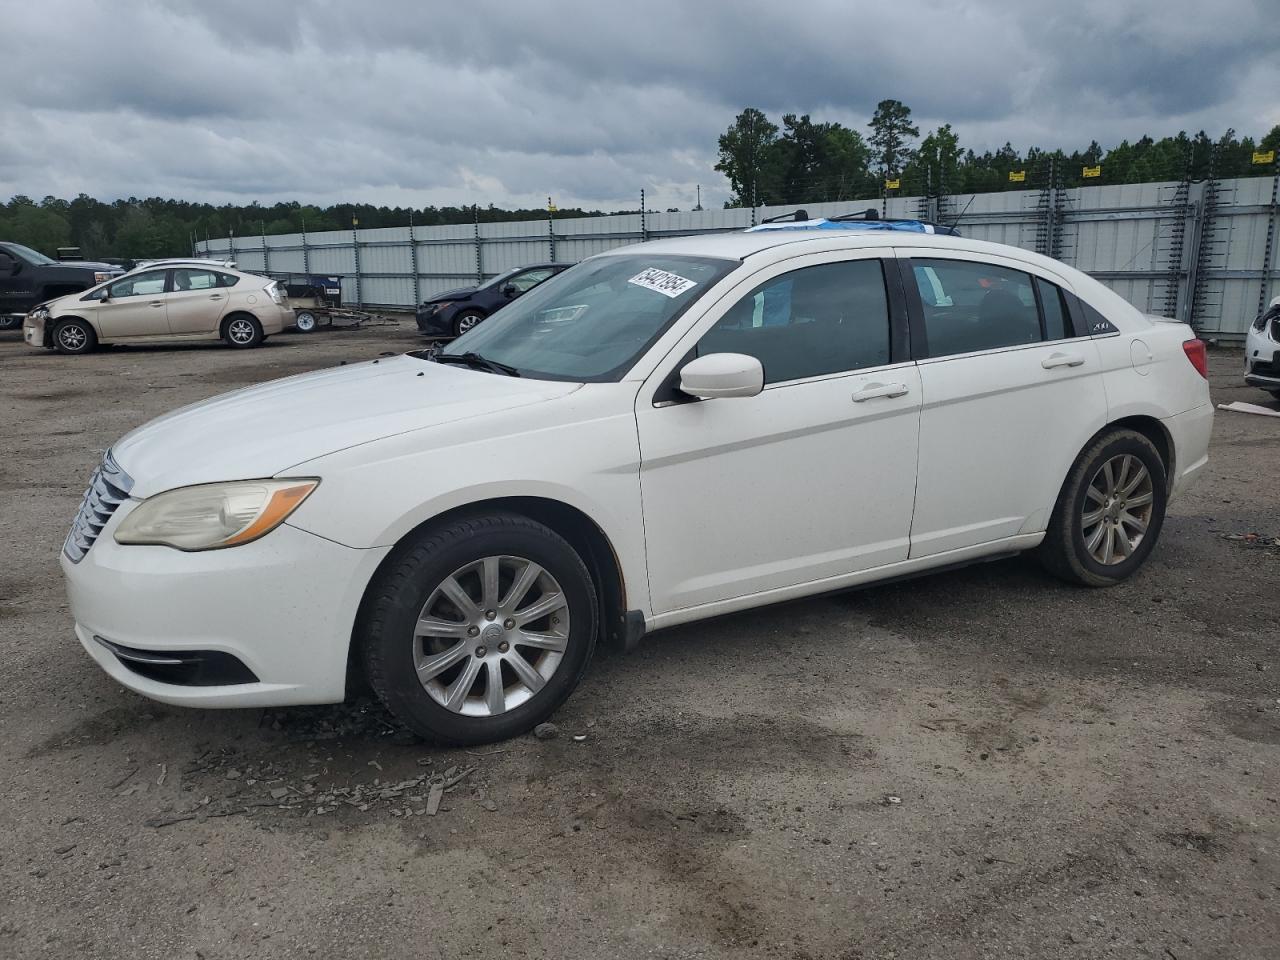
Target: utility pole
699,206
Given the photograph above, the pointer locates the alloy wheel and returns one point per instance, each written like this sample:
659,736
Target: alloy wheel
491,635
71,337
467,321
241,331
1117,510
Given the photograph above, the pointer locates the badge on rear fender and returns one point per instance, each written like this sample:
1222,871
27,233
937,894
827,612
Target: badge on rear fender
660,281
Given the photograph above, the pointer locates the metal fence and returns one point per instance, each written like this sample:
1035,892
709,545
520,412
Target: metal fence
1203,252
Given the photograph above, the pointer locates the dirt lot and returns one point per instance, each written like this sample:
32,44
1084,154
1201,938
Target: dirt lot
984,763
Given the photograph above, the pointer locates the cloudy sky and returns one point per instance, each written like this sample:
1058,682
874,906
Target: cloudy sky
431,102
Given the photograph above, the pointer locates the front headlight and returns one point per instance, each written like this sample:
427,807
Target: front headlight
214,515
40,313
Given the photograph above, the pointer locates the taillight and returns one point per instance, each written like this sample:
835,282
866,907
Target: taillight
1195,351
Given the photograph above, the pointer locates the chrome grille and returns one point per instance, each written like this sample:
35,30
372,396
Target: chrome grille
108,488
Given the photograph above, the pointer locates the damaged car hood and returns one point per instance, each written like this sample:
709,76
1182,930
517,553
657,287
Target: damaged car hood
264,430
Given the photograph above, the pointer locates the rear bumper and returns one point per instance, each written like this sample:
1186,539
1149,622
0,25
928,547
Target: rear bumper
1190,432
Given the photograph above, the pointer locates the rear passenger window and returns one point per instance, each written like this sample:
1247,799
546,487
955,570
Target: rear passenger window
809,322
227,279
1056,324
972,306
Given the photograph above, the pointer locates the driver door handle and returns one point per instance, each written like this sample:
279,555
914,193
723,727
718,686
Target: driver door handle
1062,360
157,303
874,390
215,296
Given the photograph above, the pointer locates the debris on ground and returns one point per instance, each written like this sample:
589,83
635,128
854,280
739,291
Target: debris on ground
1239,406
1253,539
546,731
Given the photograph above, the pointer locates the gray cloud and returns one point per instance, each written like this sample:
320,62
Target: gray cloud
401,102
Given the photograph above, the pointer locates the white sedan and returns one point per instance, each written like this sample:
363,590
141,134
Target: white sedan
663,433
1262,351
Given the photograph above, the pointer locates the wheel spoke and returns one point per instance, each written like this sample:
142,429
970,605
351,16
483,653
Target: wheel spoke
1096,538
1137,523
456,695
1139,475
542,641
435,627
1109,477
1092,517
1123,475
530,677
1108,543
452,589
489,583
435,665
548,603
522,585
1122,542
1096,495
495,698
1141,500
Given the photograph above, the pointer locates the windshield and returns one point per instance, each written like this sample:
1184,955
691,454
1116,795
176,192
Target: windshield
31,256
593,321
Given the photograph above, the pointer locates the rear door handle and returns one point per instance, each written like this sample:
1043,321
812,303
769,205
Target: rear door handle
157,303
215,296
873,390
1062,360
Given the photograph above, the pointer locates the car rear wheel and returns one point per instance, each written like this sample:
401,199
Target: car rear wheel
1110,511
465,321
74,336
479,629
243,331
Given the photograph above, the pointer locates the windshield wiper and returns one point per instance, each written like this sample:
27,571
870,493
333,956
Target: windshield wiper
473,359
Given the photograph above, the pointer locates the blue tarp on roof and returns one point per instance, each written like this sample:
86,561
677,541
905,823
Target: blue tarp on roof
821,223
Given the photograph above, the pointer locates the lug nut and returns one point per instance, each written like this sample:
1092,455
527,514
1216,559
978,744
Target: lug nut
481,651
503,647
491,615
509,623
473,631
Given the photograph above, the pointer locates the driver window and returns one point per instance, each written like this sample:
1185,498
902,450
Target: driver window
810,322
140,285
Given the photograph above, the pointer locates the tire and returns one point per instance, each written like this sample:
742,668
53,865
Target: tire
242,331
414,589
74,336
465,321
305,321
1103,553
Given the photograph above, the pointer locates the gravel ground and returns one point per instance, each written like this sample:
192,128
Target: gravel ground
983,763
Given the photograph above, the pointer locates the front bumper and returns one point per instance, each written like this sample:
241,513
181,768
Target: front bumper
283,606
435,322
33,331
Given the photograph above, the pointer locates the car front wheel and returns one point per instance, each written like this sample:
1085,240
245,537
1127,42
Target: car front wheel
465,321
74,336
479,629
1109,513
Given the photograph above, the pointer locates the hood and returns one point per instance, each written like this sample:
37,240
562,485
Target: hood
264,430
460,293
90,265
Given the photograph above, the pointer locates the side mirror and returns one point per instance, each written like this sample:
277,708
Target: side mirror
722,375
510,291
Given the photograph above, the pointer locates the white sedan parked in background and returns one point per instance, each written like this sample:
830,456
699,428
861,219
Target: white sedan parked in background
662,433
1262,351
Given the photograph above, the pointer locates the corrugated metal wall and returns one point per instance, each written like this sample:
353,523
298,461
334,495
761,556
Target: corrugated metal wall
1205,253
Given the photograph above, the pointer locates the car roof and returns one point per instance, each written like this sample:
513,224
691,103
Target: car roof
742,245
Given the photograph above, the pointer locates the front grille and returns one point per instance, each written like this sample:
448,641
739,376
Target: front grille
108,488
1275,329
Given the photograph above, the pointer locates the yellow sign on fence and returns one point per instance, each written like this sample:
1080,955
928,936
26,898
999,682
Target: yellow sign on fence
1017,176
1268,156
892,184
1092,171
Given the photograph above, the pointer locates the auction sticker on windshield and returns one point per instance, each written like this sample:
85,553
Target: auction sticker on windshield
660,281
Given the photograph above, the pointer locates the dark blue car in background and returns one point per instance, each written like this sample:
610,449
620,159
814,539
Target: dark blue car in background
454,312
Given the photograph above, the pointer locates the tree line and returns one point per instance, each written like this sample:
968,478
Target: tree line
807,161
156,227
